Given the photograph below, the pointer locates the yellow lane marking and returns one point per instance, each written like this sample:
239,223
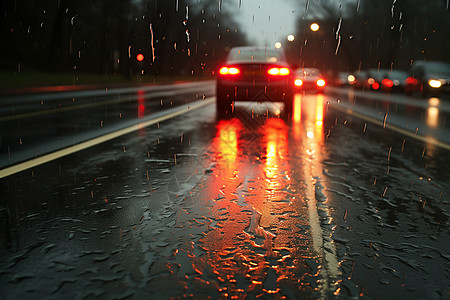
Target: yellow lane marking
93,142
425,139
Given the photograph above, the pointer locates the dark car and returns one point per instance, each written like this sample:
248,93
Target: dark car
360,80
375,78
395,81
254,74
345,79
433,77
309,79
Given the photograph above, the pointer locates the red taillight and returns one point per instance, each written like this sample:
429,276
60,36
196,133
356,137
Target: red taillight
229,71
375,85
320,82
387,82
411,81
278,71
298,82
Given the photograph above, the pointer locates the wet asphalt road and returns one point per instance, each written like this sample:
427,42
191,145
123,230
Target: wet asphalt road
321,205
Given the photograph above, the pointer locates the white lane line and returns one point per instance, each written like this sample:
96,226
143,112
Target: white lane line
425,139
96,141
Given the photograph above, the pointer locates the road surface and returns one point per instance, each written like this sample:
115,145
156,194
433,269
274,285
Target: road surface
347,198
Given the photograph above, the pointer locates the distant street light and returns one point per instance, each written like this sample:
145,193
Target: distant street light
291,38
314,27
277,45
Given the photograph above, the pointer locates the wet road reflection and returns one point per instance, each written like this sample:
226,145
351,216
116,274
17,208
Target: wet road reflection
248,207
272,233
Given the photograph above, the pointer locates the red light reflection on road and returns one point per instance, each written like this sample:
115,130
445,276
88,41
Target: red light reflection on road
141,107
319,110
276,143
227,141
255,213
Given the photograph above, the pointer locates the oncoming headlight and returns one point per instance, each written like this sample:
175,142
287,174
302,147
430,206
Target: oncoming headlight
434,83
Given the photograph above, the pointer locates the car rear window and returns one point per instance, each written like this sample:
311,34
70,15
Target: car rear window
256,54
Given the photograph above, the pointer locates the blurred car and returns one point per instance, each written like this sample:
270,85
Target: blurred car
360,80
309,79
253,74
395,81
345,79
375,78
432,77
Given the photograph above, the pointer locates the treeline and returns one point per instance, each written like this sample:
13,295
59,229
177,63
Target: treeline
176,37
374,33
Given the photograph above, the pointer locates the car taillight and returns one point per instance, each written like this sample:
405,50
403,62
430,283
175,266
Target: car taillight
320,82
387,82
229,71
278,71
375,85
411,80
298,82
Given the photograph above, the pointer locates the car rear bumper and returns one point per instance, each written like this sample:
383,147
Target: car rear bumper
276,91
309,86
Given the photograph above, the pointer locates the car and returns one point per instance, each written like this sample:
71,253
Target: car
345,79
375,78
252,73
395,81
360,80
433,77
309,79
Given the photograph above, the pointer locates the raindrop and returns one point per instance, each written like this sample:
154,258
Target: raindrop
384,120
151,43
71,20
187,12
176,5
339,28
188,36
338,45
385,190
240,2
220,5
392,8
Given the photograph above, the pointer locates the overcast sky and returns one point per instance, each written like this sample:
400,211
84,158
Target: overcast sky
266,21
